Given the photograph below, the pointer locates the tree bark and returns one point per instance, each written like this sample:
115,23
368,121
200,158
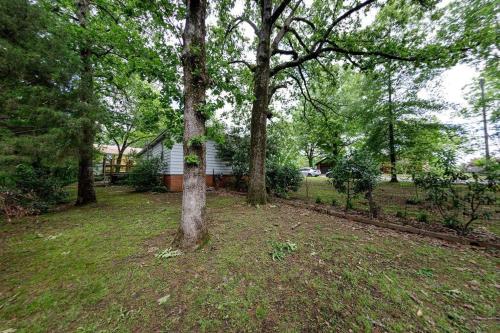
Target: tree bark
392,144
258,132
86,192
119,158
193,229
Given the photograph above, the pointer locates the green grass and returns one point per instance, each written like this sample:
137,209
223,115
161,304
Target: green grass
391,197
93,269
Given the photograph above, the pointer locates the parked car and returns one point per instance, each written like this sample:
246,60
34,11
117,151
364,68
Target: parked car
310,172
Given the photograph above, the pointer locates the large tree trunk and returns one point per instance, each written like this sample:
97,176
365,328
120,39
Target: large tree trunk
86,192
193,230
257,186
392,144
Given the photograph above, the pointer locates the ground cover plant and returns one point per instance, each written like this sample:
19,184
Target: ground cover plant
94,268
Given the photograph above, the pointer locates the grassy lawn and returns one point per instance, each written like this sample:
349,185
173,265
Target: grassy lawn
93,269
391,197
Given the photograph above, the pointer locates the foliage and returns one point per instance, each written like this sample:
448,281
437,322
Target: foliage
168,253
145,175
33,189
353,174
459,198
281,249
192,159
422,217
280,168
318,200
281,179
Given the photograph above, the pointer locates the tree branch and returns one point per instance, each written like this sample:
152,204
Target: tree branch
334,48
239,20
284,29
246,63
278,10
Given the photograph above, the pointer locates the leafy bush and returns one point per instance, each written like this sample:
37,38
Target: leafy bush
353,174
279,249
145,175
319,200
281,179
422,217
413,201
33,189
400,214
334,202
459,198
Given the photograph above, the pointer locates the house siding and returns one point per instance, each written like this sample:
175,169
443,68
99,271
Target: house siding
174,158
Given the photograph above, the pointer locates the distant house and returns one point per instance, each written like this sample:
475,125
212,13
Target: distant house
324,165
216,169
109,163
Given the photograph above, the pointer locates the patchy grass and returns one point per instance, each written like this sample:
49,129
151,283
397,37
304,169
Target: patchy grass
394,198
89,269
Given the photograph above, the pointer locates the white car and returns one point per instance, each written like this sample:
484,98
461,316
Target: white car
310,172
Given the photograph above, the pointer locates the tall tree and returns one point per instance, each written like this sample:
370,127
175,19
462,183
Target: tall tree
86,192
135,114
193,227
37,71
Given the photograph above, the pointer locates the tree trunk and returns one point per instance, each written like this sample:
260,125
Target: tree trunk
86,192
193,230
310,156
119,158
392,144
257,187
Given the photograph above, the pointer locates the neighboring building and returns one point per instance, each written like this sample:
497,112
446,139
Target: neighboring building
216,169
324,165
108,164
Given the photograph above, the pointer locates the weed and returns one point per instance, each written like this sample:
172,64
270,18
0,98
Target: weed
318,200
426,272
422,217
168,253
279,249
334,202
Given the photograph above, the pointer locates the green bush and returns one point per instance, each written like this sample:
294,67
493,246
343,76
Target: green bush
319,200
459,198
400,214
451,222
334,202
413,201
422,217
145,175
353,174
281,179
34,189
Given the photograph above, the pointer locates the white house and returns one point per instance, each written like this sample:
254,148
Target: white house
174,163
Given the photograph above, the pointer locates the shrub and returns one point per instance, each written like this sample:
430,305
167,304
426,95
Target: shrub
319,200
459,198
451,222
422,217
281,179
145,175
33,189
413,201
334,202
353,174
400,214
